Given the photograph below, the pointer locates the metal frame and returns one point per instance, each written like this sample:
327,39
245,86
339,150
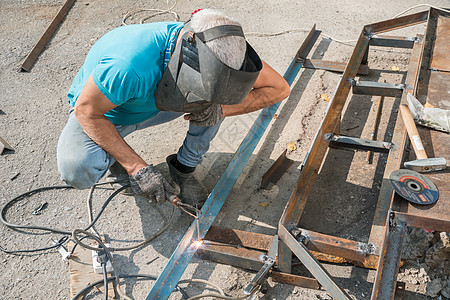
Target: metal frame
247,250
386,238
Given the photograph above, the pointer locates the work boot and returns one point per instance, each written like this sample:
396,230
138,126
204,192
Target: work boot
192,191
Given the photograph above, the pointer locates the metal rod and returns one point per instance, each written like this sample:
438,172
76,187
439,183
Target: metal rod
312,264
376,123
185,250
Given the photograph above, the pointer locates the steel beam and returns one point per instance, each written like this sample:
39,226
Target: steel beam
397,23
352,143
423,222
387,271
392,41
378,88
185,250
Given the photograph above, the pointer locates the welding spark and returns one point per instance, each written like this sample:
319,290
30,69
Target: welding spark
197,243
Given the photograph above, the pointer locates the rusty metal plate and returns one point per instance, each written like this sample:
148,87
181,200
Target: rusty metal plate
440,59
437,91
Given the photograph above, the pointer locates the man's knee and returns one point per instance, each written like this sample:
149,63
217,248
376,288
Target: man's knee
73,173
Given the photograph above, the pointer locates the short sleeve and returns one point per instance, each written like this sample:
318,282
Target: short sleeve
116,80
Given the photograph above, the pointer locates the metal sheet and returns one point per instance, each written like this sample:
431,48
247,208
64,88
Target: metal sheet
436,89
440,59
313,266
184,252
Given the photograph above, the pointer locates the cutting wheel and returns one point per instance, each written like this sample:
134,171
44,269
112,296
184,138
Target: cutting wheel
414,187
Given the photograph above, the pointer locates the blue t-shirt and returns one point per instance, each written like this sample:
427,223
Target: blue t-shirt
126,65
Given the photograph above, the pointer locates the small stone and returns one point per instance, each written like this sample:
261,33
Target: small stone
413,281
414,271
433,287
446,292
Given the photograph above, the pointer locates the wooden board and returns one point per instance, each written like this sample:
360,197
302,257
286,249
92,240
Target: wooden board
82,273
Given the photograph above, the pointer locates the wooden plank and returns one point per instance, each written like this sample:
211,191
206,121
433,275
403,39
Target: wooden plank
45,38
82,273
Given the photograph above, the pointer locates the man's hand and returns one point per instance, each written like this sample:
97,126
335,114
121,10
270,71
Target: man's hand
206,118
149,182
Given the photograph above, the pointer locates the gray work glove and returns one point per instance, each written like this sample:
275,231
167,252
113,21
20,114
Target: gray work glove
208,117
150,182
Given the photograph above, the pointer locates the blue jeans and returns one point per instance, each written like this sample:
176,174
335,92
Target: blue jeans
82,163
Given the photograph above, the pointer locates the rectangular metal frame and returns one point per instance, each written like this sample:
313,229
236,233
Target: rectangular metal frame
383,240
380,237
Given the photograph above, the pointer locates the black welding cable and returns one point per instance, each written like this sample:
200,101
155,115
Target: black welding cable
60,242
105,280
42,228
89,287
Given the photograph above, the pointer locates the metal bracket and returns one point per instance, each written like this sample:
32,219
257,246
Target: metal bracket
260,276
352,143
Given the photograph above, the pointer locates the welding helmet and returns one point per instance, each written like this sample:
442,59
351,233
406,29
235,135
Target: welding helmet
195,78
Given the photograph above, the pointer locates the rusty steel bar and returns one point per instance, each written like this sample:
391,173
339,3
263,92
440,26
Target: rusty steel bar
348,249
231,255
423,222
397,23
45,38
391,252
306,282
239,238
317,151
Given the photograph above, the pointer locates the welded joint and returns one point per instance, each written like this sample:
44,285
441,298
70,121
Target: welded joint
396,221
298,234
368,249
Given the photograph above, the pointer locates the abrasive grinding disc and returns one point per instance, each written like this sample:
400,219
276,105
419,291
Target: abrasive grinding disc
414,186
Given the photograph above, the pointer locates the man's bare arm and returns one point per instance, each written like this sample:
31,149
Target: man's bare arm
269,88
90,108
